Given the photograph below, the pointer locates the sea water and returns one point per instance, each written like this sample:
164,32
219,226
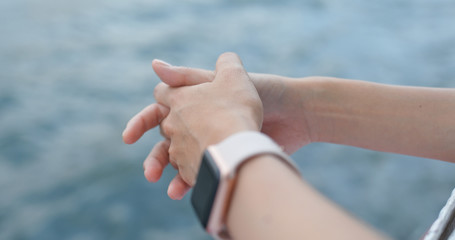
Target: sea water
73,72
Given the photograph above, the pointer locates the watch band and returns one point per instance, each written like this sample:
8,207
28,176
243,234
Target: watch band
242,146
228,155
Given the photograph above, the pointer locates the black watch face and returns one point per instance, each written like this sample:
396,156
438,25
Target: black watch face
204,191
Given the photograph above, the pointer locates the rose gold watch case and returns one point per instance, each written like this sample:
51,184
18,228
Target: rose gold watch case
216,224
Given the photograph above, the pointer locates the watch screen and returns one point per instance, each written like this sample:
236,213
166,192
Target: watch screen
204,191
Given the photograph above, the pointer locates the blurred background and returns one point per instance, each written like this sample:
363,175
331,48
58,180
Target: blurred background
72,73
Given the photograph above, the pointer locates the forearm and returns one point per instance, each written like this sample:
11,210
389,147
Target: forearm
284,207
407,120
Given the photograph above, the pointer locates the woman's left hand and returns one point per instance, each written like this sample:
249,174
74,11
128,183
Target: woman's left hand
194,117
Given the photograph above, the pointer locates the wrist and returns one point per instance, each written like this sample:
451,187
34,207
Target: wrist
302,94
218,175
219,132
314,96
324,104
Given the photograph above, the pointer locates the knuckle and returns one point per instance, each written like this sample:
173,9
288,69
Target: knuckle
158,89
228,54
229,59
173,163
189,171
144,123
235,68
161,113
172,158
173,153
232,71
185,167
167,128
188,177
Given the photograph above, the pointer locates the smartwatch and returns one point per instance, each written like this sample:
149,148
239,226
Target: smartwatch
217,174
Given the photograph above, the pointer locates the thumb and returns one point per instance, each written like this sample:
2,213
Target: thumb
180,76
229,68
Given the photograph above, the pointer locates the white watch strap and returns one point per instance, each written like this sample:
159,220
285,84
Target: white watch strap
239,147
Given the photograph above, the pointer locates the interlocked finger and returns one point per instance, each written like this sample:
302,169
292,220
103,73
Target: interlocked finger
162,93
156,161
145,120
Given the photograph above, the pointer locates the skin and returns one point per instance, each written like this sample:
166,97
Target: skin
277,103
294,112
286,207
399,119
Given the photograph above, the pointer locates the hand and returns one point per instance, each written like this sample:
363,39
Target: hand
193,118
285,118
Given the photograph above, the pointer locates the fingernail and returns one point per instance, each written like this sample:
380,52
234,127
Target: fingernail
162,63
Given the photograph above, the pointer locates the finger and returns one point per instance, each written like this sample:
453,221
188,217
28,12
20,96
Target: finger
177,76
148,118
181,76
177,188
162,93
156,161
230,66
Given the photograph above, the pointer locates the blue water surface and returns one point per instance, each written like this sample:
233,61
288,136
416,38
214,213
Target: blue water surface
73,72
